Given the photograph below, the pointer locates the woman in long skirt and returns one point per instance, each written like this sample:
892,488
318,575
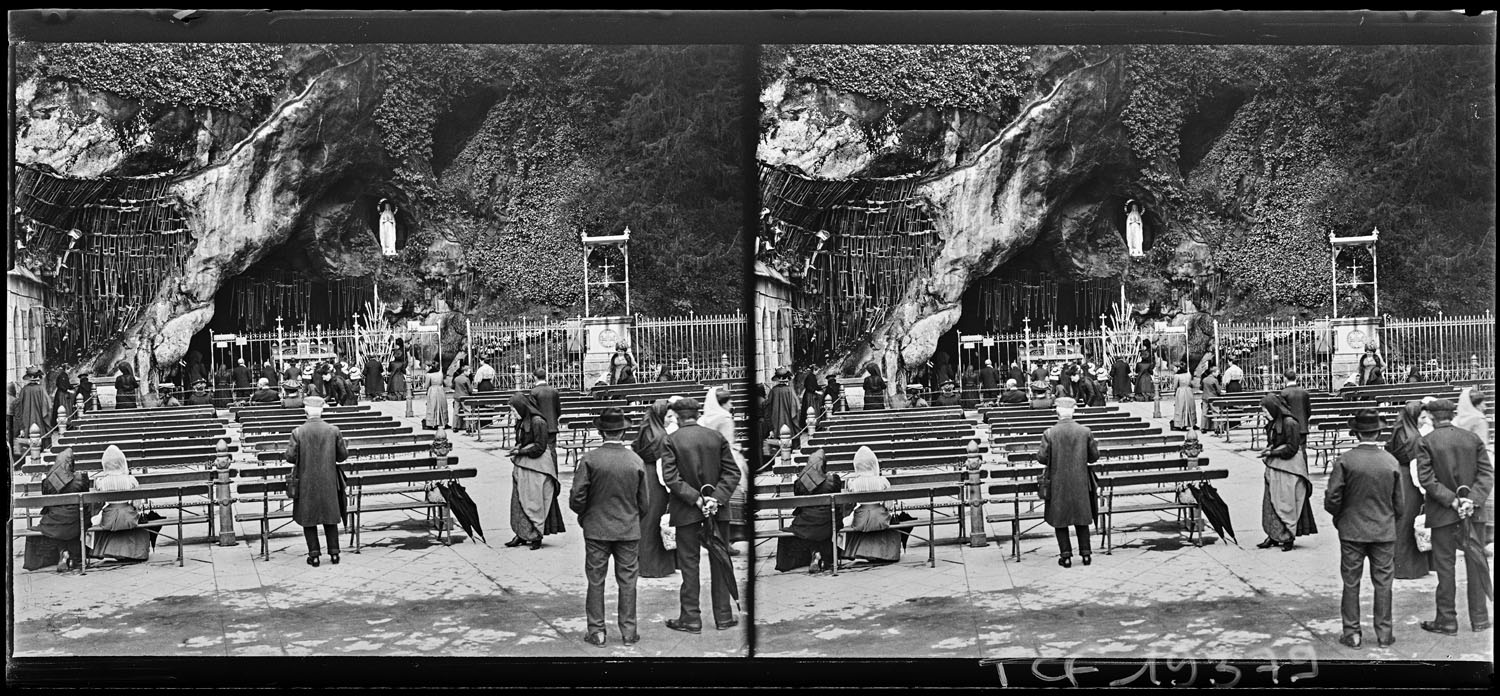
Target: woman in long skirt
874,386
533,497
812,526
1185,415
655,561
1285,511
397,386
437,400
1411,563
871,537
126,386
59,524
121,538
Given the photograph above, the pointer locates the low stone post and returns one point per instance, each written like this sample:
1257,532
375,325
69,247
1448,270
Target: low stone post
812,424
786,444
34,445
408,399
827,405
975,496
1473,367
62,425
724,366
223,497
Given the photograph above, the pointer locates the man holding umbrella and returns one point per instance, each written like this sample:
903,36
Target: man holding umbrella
610,495
1457,474
1364,497
699,471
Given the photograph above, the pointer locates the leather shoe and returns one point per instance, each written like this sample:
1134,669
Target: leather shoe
1088,559
1386,643
312,560
1433,627
515,541
536,544
1352,640
333,558
1065,561
1481,628
1287,546
727,624
596,638
1268,543
631,639
675,625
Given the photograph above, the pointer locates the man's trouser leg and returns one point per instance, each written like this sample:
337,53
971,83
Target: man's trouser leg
1445,542
688,552
1064,544
1480,590
721,571
1351,566
313,547
595,562
1382,576
626,555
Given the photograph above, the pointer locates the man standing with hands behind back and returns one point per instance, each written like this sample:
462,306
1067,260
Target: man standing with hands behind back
1457,474
699,471
1364,496
609,494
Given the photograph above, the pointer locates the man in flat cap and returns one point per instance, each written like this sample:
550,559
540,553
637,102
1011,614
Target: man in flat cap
316,485
1457,475
1365,498
1067,485
699,470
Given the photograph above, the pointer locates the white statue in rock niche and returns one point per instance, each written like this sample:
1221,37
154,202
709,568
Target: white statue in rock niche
1134,232
387,227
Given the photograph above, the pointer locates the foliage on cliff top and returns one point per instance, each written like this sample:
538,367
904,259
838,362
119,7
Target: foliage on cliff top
989,79
233,77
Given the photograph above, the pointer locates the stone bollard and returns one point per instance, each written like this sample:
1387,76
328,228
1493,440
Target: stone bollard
975,495
812,424
223,497
62,425
724,366
79,404
786,444
1155,398
34,445
1473,366
827,405
408,401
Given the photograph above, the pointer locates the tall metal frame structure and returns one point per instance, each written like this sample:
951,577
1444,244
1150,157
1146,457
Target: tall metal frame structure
1336,245
621,241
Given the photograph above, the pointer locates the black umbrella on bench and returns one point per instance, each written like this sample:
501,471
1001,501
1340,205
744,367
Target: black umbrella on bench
463,507
1214,509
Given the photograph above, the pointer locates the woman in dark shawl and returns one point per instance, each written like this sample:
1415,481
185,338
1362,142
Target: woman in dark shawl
1286,512
1145,387
812,526
833,389
397,384
374,381
59,524
812,395
126,386
534,485
86,390
1410,562
655,560
874,386
63,396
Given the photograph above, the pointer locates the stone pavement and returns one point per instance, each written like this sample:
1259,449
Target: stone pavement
404,594
1156,596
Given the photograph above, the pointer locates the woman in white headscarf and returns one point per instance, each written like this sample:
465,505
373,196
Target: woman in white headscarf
717,417
121,537
869,537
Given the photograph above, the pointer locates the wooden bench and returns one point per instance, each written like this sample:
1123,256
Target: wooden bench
170,491
146,414
1017,486
142,436
998,441
1154,485
930,492
260,439
267,485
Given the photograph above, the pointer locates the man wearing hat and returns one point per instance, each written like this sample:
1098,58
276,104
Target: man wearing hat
264,394
1457,475
33,406
610,496
914,396
948,396
316,485
1066,484
699,470
291,394
200,395
164,393
1364,496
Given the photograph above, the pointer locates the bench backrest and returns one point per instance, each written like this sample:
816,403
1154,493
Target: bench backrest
159,479
936,490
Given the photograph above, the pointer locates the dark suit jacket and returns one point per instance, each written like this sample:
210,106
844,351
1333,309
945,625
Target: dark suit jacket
1364,495
241,376
550,403
694,457
1447,458
1301,403
609,493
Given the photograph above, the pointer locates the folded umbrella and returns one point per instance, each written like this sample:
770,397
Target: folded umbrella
1215,510
463,507
711,528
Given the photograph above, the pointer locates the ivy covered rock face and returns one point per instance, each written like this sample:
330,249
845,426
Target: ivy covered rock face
496,157
1245,159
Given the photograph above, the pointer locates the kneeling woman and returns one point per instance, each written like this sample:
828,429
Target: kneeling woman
58,527
121,537
534,490
870,536
812,526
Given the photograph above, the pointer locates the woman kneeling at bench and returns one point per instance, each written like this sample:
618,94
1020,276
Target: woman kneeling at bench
811,527
121,537
870,536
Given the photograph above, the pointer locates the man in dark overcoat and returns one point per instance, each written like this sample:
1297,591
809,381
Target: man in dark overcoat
781,407
989,381
1364,496
241,374
33,406
550,404
1457,474
1119,378
610,496
1066,484
316,484
695,458
199,395
1300,402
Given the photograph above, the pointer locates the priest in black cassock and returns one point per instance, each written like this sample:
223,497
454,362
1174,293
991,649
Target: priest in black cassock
782,407
33,406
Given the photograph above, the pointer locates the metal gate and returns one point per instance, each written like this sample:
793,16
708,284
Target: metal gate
1443,348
